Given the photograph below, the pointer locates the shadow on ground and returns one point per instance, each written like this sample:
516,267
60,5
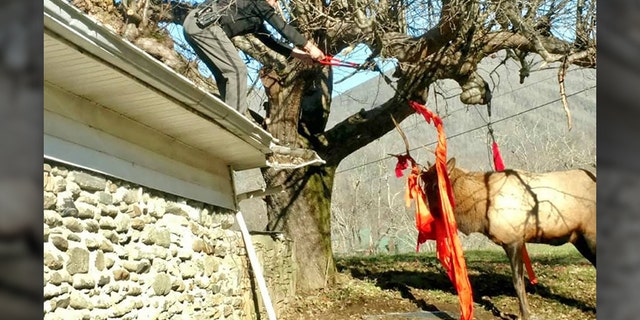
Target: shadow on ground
486,281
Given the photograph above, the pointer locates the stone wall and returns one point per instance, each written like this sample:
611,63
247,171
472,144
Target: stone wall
120,251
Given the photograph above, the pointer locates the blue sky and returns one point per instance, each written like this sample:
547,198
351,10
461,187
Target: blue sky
344,77
421,19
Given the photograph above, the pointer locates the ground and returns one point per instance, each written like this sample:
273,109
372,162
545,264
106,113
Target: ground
375,286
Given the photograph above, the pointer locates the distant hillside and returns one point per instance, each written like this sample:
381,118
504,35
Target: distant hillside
530,126
534,109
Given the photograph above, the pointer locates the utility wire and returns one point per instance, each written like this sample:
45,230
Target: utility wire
473,129
496,96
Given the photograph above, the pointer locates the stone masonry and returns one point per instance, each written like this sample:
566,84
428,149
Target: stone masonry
115,250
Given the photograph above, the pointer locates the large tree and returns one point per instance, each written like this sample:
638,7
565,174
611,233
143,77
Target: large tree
430,40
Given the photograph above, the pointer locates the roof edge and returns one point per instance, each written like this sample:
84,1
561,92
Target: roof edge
69,23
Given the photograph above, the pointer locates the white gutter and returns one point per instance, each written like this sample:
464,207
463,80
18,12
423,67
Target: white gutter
68,23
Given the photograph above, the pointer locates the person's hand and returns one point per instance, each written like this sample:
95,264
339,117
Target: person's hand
302,56
314,52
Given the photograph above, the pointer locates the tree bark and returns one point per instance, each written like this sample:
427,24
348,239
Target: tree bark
303,211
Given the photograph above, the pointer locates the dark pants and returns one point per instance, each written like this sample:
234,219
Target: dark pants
217,51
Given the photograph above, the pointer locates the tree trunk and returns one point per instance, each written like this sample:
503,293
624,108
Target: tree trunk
303,210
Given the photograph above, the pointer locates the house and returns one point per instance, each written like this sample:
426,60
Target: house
112,108
139,191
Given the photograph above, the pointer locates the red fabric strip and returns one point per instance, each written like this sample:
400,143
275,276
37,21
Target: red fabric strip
444,230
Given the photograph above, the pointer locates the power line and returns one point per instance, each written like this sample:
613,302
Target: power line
496,96
471,130
529,84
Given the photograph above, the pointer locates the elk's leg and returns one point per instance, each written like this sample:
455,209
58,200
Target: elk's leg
514,252
586,245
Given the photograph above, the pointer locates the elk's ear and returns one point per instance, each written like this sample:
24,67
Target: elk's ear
451,164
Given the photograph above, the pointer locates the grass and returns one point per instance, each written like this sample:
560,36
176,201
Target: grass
370,285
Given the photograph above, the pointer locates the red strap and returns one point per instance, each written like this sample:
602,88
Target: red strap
497,158
403,163
527,264
331,61
444,229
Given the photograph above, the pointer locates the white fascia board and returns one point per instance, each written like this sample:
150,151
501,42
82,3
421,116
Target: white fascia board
74,143
67,22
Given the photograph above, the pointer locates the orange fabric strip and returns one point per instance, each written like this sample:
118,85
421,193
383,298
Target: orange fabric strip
444,230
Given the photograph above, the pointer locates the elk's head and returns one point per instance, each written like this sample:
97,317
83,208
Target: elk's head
429,179
430,176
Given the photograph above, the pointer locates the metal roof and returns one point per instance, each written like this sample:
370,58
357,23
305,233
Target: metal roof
86,59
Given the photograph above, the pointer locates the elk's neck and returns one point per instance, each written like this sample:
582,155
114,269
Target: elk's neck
470,194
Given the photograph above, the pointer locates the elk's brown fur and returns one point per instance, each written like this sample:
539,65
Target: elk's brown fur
512,207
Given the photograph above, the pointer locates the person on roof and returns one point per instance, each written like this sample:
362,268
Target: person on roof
209,28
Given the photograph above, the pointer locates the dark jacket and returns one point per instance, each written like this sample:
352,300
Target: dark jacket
247,16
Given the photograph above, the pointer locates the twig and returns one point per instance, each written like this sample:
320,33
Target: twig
563,94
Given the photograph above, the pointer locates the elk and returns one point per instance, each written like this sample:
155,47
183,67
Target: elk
512,207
